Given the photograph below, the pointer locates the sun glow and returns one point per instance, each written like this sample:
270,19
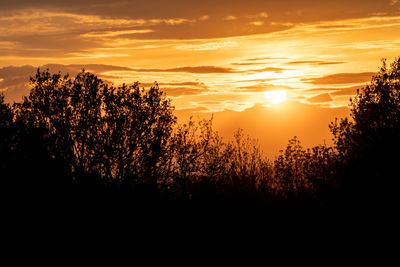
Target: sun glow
276,96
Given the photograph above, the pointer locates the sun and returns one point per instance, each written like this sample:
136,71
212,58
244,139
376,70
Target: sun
276,96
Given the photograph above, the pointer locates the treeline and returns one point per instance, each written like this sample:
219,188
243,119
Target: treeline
75,139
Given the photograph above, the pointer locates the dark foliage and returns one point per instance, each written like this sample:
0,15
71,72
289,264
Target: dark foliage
368,146
92,146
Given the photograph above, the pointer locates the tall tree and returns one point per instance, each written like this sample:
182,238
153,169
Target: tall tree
369,142
116,134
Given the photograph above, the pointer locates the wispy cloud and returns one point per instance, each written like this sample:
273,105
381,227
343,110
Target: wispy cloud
314,62
230,18
304,50
271,69
180,91
257,23
262,58
346,91
114,33
342,78
322,98
14,80
259,15
207,46
198,70
261,87
203,18
91,55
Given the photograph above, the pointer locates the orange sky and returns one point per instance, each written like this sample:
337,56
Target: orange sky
214,57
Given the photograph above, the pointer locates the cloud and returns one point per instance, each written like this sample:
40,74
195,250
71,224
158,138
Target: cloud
11,71
7,44
103,34
14,81
333,91
342,78
180,91
197,84
203,18
91,55
257,23
261,87
159,8
176,89
186,113
49,19
283,11
207,46
322,98
176,20
101,22
73,69
149,38
370,45
188,83
372,21
333,26
247,63
230,18
347,91
220,105
271,69
314,62
258,80
259,15
262,58
197,70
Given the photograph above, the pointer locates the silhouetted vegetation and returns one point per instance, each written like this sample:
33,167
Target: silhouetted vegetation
78,139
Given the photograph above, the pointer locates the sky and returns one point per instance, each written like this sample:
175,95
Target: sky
212,57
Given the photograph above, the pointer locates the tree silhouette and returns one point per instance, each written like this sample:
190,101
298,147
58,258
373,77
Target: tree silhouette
85,136
27,167
368,144
6,124
116,134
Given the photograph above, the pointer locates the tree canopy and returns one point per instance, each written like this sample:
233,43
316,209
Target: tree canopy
368,143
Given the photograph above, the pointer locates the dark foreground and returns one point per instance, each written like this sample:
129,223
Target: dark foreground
79,153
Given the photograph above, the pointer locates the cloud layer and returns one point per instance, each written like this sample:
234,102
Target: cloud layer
208,55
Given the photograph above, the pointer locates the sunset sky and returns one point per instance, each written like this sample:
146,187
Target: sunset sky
212,56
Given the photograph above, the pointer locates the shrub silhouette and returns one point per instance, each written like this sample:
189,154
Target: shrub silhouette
300,171
202,167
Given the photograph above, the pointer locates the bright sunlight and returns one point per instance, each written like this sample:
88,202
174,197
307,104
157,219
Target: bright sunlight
276,96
